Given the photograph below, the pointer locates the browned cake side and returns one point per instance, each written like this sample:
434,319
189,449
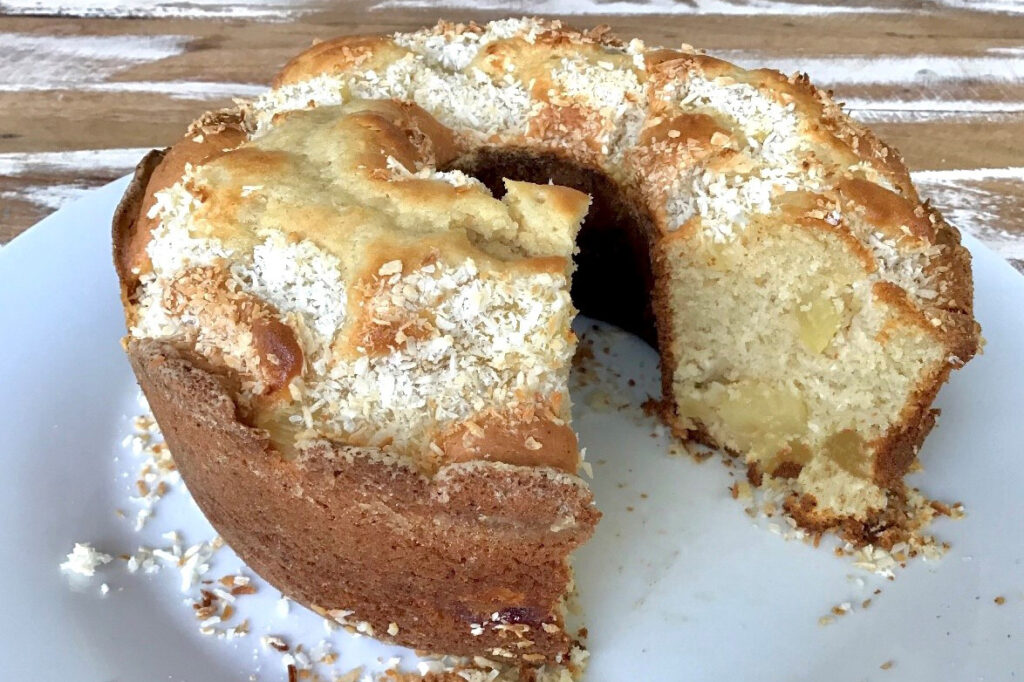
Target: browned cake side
473,540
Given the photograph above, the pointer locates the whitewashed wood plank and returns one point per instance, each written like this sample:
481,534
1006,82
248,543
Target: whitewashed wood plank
194,9
997,6
934,71
32,185
47,196
93,161
723,7
608,7
970,175
278,10
909,110
981,201
87,63
189,90
42,62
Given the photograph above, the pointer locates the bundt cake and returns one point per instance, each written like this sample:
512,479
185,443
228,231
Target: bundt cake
348,303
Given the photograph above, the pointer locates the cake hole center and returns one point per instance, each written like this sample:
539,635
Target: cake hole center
613,280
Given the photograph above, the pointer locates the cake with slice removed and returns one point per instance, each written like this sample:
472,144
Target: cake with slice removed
349,304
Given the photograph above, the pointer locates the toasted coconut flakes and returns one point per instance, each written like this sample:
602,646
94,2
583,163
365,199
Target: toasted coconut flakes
353,675
274,642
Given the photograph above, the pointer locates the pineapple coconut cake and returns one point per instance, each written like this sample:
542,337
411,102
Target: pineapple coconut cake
349,305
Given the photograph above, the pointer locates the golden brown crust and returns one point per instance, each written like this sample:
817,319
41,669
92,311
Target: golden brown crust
330,56
195,148
279,351
530,441
887,210
688,128
882,528
406,132
126,221
565,200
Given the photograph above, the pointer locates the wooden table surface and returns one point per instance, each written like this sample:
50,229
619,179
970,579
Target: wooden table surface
86,86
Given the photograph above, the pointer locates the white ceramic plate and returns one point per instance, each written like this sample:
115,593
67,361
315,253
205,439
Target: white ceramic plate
678,583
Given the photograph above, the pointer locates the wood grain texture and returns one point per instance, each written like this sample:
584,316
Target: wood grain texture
84,86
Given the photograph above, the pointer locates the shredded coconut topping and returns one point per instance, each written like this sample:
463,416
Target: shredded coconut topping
489,342
296,277
470,100
615,93
84,559
319,91
455,178
455,51
772,130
